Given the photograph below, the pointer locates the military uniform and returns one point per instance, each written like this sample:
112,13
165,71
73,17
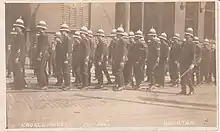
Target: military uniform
18,57
33,58
186,60
129,65
111,53
59,59
173,57
100,57
196,70
213,64
76,57
42,58
84,52
119,58
205,62
140,51
91,56
153,59
164,51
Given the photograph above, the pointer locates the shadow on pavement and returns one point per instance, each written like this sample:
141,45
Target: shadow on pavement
177,102
147,103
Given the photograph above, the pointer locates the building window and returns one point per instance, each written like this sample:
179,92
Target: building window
191,20
209,24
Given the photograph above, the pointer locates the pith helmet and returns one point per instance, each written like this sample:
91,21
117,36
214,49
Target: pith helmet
163,36
19,23
101,32
65,27
120,30
189,31
176,36
42,25
152,32
90,33
139,33
131,34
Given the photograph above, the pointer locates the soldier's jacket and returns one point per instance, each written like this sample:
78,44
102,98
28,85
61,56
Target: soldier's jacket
206,55
52,50
100,52
76,50
213,57
67,47
84,47
198,53
120,52
131,49
175,51
153,50
188,53
111,48
140,50
164,51
42,46
59,51
92,49
18,47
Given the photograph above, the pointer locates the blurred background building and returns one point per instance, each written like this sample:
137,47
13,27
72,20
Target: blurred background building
169,17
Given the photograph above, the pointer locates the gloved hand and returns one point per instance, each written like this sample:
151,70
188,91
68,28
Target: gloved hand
122,63
39,59
65,62
191,66
16,60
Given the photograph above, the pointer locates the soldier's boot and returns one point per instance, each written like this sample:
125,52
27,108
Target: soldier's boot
59,80
183,92
66,81
198,79
191,90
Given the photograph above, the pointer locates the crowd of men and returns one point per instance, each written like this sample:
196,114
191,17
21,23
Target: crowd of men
131,56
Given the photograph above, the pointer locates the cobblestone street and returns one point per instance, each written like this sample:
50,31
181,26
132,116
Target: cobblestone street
107,108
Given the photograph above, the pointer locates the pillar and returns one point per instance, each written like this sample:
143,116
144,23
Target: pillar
201,21
142,16
127,17
180,19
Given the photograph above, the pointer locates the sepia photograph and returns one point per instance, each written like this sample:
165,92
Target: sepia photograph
111,65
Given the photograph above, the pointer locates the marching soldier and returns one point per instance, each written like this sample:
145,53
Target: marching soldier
164,51
213,63
112,49
76,57
59,59
100,57
119,58
196,70
205,63
173,57
153,56
129,66
139,58
42,55
187,62
84,56
67,55
18,54
91,56
33,53
9,54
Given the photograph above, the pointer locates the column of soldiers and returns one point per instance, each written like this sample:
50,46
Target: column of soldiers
190,62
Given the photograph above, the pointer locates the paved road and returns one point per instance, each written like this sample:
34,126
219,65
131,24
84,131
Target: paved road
107,108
